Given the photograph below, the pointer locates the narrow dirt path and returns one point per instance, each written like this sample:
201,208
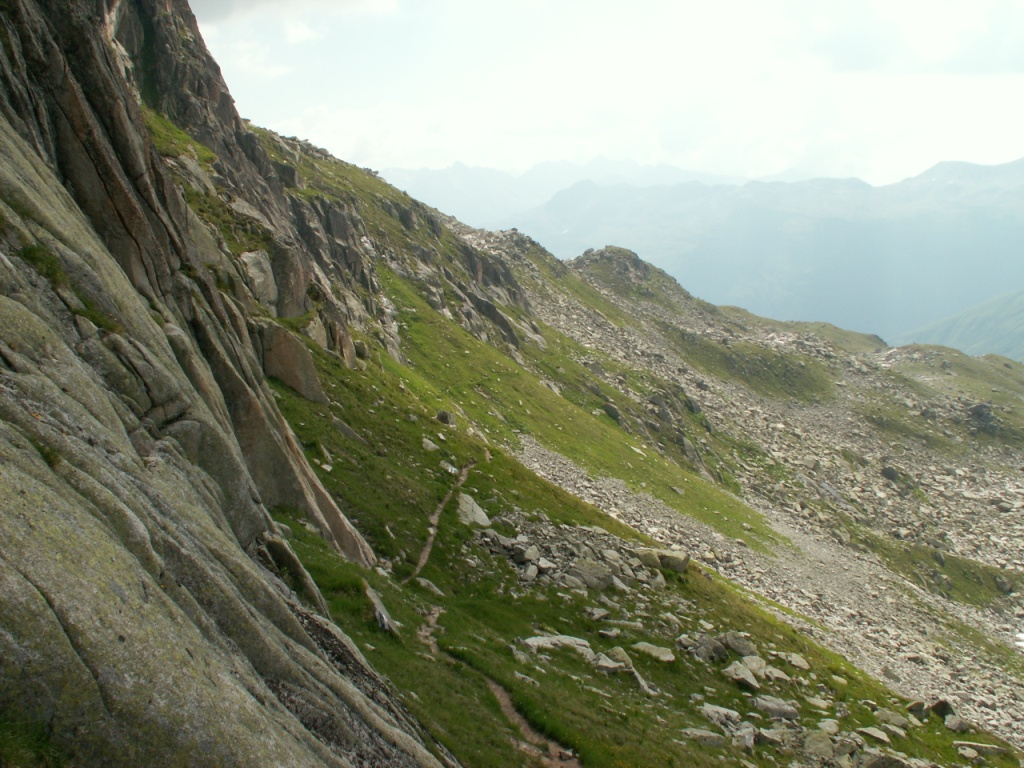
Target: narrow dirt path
435,519
535,744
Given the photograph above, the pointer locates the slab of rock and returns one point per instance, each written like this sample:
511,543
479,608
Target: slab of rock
593,574
707,649
471,513
551,642
604,664
738,673
756,665
776,675
720,716
881,760
619,655
957,724
776,708
829,726
892,718
670,560
287,359
384,620
798,661
876,734
655,652
705,738
739,642
818,745
990,750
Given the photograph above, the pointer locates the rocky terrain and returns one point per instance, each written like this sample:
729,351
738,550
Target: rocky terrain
296,470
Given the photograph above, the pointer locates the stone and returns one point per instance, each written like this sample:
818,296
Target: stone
430,586
668,559
818,745
744,736
551,642
876,734
720,716
674,561
593,574
708,649
705,738
881,760
739,673
883,715
739,643
619,655
471,513
429,445
956,724
604,664
989,750
829,726
286,358
380,612
655,652
798,661
776,708
546,566
260,278
446,418
756,665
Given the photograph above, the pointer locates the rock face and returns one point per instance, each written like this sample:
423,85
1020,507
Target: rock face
140,447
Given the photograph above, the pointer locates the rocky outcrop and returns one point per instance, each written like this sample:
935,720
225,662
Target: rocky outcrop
143,622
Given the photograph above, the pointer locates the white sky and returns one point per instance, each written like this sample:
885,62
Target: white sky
879,89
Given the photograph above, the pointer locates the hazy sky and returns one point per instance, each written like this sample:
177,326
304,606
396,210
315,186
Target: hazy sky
876,89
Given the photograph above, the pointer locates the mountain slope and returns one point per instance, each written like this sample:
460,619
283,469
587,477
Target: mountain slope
880,260
994,327
266,421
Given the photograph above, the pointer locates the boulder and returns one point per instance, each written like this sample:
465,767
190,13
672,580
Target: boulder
777,708
704,737
739,673
655,652
471,513
286,358
593,574
818,745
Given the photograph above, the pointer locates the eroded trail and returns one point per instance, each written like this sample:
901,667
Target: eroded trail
435,519
534,743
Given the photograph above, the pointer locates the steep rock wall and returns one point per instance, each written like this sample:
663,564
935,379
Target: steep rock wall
136,445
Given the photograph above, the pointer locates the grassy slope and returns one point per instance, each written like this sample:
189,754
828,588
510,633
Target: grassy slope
389,485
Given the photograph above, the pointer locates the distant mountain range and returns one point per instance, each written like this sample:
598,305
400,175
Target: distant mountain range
878,259
484,197
995,326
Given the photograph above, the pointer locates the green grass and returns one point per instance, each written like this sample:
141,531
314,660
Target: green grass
172,141
955,578
606,720
458,372
765,371
45,262
28,745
